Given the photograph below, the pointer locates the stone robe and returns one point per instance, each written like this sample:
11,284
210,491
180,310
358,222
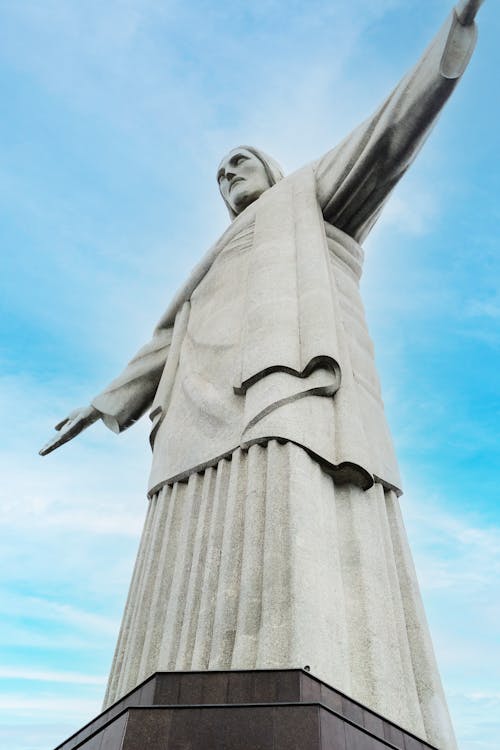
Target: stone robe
261,384
267,339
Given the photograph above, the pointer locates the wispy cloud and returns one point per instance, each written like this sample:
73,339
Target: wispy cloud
37,675
119,114
52,705
453,551
59,492
485,308
479,720
457,556
50,611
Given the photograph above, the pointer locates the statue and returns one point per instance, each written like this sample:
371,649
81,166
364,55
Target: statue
274,536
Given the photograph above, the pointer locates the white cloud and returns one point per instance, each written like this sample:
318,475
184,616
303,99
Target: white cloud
478,719
71,519
34,735
73,644
50,611
452,551
59,491
457,557
413,208
51,705
38,675
485,308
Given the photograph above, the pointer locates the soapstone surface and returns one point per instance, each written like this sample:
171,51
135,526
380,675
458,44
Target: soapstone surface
274,537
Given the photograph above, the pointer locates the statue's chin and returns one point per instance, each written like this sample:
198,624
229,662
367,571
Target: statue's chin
243,199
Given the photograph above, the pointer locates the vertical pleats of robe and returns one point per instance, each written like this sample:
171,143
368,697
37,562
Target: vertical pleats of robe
263,562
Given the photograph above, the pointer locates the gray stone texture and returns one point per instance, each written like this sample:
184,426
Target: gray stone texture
265,562
274,536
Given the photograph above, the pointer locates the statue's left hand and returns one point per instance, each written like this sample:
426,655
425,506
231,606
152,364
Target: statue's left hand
466,11
68,428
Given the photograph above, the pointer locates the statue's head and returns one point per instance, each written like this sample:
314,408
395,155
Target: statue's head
243,175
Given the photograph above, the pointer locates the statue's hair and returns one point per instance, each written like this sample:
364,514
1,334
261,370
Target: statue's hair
273,170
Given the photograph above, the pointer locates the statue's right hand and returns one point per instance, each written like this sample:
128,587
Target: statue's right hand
467,10
70,427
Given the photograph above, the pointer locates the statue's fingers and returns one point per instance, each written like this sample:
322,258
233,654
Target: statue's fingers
474,7
61,424
62,438
73,416
467,10
50,446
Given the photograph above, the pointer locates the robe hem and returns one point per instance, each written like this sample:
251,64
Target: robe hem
343,473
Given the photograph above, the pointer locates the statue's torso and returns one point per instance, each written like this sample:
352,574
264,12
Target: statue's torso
206,418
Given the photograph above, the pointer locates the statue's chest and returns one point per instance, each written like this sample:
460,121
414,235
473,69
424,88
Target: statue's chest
217,303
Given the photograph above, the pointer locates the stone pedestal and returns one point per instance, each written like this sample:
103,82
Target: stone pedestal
239,710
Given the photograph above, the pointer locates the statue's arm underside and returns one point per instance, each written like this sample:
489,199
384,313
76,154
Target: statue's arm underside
355,179
127,397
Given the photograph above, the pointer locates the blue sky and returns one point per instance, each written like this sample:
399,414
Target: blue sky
112,121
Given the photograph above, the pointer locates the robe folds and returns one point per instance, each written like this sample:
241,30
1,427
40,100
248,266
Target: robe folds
262,350
267,338
274,536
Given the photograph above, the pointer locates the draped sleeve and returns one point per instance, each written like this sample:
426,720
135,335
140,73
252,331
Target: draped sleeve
129,395
355,179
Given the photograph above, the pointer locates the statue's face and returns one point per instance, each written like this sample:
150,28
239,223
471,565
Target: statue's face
242,179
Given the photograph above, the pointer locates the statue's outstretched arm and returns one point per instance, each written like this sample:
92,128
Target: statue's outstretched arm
466,11
125,399
355,179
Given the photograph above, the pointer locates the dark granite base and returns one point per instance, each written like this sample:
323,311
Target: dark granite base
239,710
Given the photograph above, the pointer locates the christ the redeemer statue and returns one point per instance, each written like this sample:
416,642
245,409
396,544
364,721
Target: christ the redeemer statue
274,536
